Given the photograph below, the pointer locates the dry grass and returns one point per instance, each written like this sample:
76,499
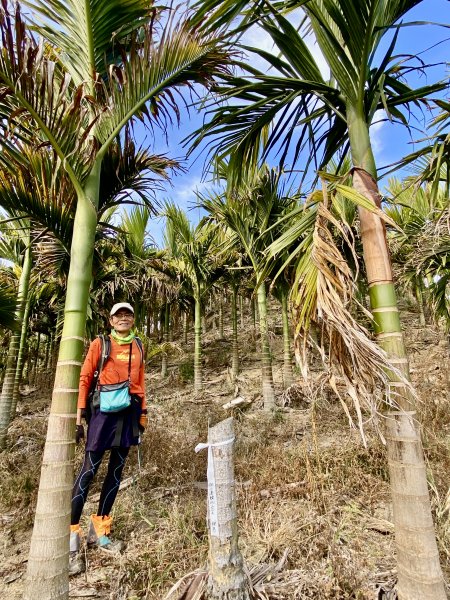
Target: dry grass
314,510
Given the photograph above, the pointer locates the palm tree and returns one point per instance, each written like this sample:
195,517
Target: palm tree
335,115
235,363
281,291
138,251
233,278
193,256
166,334
431,163
15,245
104,64
29,189
250,214
429,260
415,210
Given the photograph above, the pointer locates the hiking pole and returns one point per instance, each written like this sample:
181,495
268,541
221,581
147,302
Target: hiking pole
139,455
135,476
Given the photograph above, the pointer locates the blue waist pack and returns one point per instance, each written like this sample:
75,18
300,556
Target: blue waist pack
114,397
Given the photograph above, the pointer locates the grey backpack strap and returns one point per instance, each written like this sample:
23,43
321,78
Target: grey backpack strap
105,349
141,348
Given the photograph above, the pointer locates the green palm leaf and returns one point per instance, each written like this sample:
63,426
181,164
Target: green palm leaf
131,174
12,238
7,308
192,251
134,227
304,111
151,63
88,33
35,85
156,64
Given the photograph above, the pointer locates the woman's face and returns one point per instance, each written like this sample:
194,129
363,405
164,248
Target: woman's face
122,322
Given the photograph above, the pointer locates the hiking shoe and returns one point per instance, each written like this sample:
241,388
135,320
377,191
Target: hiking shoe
99,530
76,564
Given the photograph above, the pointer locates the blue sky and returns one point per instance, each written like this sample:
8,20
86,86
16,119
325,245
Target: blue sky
390,141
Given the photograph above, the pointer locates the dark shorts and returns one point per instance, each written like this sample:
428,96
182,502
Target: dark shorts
102,429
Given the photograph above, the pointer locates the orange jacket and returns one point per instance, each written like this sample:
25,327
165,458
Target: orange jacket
114,370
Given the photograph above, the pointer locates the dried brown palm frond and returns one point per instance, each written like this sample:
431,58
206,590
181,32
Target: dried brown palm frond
169,348
263,582
438,230
190,587
324,297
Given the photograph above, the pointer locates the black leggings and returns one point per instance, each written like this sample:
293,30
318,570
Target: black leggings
110,487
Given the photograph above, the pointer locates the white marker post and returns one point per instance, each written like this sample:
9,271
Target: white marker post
227,580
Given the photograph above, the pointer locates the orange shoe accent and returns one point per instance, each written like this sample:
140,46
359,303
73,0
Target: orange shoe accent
102,525
76,529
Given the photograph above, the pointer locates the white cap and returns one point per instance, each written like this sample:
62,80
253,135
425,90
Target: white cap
120,305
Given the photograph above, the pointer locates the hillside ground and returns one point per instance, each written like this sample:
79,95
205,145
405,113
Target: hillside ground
315,518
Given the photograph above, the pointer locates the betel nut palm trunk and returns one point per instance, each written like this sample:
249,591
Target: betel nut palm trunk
221,318
198,376
185,327
47,575
234,341
7,395
288,378
266,359
165,339
419,572
20,358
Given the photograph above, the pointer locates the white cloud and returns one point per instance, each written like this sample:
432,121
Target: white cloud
183,195
377,135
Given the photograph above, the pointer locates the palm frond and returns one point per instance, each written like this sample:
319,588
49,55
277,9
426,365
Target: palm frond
38,189
252,214
324,296
304,112
88,34
52,258
192,252
36,87
429,259
431,163
131,174
159,61
12,239
440,296
8,299
134,226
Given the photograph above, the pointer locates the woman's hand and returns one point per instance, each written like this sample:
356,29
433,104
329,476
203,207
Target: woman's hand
143,421
79,434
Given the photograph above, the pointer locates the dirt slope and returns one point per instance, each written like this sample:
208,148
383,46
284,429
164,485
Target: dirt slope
314,510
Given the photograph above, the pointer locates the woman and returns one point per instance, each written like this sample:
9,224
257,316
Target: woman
113,431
